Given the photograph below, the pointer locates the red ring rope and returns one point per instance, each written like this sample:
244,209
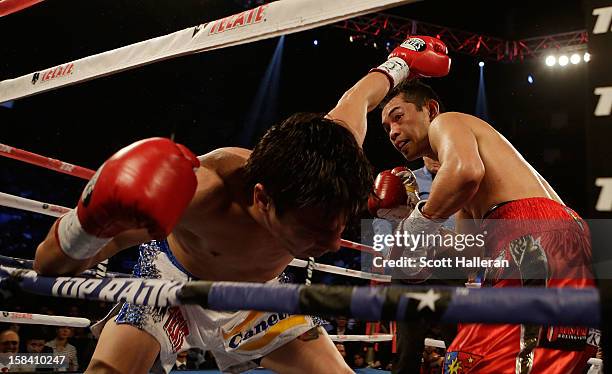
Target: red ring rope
45,162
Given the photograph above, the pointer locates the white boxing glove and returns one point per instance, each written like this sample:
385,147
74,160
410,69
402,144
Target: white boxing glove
417,227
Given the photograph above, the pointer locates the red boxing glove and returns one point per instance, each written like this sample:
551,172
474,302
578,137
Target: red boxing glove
145,185
425,56
417,56
391,200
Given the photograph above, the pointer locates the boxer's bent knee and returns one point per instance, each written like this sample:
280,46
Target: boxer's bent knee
124,349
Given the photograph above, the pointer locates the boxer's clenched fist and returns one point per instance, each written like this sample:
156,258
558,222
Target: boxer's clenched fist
395,194
145,185
417,56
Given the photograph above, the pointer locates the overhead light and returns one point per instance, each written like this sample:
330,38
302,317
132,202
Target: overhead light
551,60
315,42
481,63
563,60
575,58
354,38
530,79
587,57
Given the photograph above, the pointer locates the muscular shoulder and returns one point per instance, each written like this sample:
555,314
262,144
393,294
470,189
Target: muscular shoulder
447,119
453,124
216,169
224,161
450,121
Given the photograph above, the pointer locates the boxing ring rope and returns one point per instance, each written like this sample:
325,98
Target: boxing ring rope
29,265
362,338
342,271
45,162
22,203
264,22
11,6
360,247
42,319
540,306
16,262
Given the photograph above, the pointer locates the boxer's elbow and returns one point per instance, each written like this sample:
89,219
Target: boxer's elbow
469,175
43,262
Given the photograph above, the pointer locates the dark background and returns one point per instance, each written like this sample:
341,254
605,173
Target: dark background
203,100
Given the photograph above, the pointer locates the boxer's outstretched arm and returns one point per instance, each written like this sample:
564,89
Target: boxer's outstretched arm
462,168
419,56
51,260
354,106
145,186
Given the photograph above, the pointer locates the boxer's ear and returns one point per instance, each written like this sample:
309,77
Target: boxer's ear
434,109
261,198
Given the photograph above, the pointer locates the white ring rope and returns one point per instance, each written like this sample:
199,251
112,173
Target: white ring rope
382,338
22,203
361,338
341,271
42,319
52,210
264,22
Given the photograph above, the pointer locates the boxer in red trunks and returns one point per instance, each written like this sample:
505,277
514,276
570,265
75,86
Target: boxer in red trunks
547,245
483,180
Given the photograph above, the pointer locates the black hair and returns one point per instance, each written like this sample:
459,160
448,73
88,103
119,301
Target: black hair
311,161
413,91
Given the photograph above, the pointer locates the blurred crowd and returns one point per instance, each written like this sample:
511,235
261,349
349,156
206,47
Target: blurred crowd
78,344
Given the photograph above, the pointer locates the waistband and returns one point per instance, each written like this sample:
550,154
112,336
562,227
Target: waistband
493,208
535,215
165,248
531,208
